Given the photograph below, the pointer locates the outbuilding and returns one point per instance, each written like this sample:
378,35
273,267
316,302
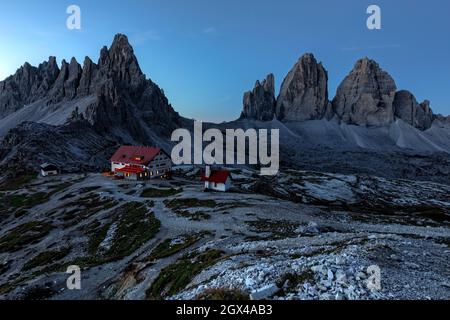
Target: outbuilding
49,169
140,163
217,180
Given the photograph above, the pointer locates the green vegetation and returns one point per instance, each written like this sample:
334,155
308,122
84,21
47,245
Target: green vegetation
170,247
15,183
233,205
86,207
194,216
97,237
175,277
279,229
38,293
177,204
25,234
20,213
18,203
223,294
46,258
60,187
160,193
89,189
26,200
295,279
135,226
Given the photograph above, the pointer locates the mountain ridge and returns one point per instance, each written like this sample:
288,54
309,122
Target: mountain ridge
76,115
367,96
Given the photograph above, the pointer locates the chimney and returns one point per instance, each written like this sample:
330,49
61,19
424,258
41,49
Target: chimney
208,171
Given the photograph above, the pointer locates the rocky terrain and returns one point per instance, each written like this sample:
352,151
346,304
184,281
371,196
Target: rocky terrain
300,235
91,109
364,183
367,97
304,92
112,99
259,104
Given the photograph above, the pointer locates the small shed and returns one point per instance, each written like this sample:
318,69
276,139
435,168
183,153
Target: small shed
217,180
49,169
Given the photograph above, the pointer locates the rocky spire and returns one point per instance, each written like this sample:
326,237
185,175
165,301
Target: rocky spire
304,92
407,108
121,63
259,104
88,77
73,79
366,96
27,85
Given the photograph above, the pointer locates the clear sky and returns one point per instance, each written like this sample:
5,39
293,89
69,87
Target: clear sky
206,53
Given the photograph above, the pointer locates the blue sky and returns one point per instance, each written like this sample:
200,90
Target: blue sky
206,53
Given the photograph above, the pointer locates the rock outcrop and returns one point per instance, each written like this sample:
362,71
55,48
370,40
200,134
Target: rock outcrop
366,96
113,100
73,147
304,92
409,110
27,85
126,104
442,120
259,104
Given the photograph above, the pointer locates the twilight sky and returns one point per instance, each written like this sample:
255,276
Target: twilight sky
206,53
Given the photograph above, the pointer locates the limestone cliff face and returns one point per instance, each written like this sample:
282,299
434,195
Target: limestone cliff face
304,92
125,101
105,104
366,96
27,85
259,104
407,108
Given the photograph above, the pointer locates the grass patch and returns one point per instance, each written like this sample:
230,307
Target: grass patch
170,247
97,237
134,227
46,258
17,182
194,216
223,294
26,201
38,293
160,193
187,203
294,279
89,189
175,277
85,208
279,229
179,206
25,234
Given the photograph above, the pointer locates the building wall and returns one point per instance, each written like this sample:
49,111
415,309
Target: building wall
159,166
115,165
223,187
48,173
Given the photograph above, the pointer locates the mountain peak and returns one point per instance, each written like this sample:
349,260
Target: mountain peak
121,45
366,63
121,61
304,92
121,39
366,95
259,104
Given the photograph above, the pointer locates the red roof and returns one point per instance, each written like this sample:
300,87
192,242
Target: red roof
135,155
217,176
131,169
